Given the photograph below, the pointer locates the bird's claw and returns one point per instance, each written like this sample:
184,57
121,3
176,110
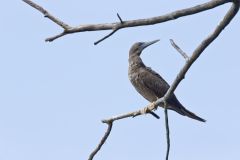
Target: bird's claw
149,108
145,110
152,106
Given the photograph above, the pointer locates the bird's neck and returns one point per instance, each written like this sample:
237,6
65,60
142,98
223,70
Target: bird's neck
135,62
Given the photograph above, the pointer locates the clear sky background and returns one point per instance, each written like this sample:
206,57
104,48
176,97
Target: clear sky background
54,95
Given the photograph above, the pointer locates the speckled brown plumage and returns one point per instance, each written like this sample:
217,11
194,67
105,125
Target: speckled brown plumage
149,83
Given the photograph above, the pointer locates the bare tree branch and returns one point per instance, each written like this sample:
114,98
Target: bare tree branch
131,23
103,140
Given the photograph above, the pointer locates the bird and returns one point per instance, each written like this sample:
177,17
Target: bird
150,84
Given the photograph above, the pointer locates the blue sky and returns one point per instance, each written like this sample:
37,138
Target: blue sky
54,95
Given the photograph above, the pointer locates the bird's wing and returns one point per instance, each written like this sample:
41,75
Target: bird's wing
157,84
154,82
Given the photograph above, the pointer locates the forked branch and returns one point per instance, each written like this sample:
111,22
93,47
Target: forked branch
120,25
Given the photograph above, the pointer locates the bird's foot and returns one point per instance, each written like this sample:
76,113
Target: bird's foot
152,106
145,110
149,108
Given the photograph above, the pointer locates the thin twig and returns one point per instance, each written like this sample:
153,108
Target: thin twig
154,114
185,56
120,18
105,37
130,23
167,130
103,140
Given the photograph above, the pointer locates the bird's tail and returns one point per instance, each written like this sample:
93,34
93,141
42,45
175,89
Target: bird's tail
179,108
189,114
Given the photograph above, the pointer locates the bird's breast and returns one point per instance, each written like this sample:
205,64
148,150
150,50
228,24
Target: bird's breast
140,85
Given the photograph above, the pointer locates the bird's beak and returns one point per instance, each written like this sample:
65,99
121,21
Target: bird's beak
146,44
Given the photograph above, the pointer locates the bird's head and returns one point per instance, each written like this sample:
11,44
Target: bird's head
138,47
